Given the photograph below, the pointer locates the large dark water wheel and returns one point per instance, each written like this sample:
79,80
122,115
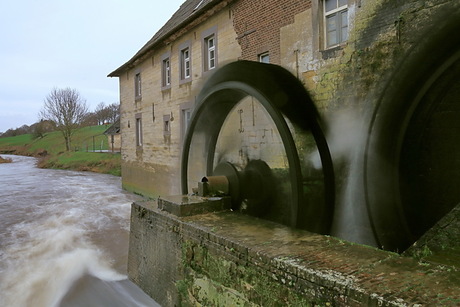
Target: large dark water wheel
412,165
256,123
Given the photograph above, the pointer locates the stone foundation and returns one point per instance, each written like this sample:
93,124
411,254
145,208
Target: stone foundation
229,259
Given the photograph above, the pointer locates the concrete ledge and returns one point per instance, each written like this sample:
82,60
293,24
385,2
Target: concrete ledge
182,205
226,258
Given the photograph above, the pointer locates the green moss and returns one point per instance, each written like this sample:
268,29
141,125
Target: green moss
211,280
184,296
422,253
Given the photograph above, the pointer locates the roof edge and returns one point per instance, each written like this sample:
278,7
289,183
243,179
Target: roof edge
141,52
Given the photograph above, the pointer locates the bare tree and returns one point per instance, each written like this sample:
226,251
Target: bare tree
40,128
106,114
90,120
67,109
100,113
114,112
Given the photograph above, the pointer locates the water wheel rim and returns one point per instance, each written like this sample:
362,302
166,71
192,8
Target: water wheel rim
281,94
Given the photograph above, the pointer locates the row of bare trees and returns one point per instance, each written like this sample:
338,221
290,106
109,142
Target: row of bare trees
104,114
37,129
65,110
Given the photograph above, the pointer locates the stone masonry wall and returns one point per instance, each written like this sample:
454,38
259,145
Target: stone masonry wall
353,75
229,259
226,258
350,76
153,169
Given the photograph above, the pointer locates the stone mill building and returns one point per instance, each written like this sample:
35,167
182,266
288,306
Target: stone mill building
383,76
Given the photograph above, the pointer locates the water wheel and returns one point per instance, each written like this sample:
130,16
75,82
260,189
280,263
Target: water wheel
411,168
255,124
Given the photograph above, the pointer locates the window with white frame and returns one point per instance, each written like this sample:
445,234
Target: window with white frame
137,86
166,72
264,57
210,52
186,117
335,21
185,64
138,130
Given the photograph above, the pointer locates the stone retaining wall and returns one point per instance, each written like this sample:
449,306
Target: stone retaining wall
229,259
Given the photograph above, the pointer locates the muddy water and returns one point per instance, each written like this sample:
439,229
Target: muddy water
63,238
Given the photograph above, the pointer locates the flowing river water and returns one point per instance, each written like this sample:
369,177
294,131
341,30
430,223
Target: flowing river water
64,238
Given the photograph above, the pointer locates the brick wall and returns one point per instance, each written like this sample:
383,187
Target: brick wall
258,23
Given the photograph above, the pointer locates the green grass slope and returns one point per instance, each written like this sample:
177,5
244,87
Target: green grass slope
85,155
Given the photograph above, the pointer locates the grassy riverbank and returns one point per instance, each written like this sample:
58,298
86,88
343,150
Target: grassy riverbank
87,143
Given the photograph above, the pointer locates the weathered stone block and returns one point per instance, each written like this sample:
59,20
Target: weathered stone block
183,205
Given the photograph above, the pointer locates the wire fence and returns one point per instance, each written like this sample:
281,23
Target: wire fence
98,143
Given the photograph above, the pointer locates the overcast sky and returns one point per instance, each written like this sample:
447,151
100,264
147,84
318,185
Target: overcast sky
69,43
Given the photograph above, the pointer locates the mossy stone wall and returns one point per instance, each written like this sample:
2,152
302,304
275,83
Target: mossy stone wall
230,259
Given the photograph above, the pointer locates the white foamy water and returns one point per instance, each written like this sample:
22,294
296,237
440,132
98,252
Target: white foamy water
64,238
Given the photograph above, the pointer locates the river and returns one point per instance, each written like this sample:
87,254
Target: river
64,238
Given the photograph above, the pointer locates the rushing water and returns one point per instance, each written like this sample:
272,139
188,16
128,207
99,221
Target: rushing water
63,238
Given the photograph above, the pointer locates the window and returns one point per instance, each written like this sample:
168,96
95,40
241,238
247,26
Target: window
167,127
167,124
186,117
211,52
336,22
137,86
210,45
138,130
166,73
264,57
185,64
